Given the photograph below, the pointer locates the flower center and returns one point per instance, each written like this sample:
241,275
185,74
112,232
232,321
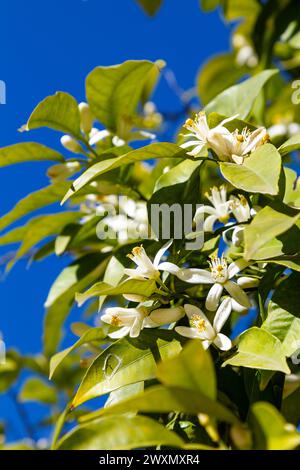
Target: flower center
115,321
219,270
198,323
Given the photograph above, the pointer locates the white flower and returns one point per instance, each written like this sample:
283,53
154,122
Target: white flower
220,209
86,118
240,208
201,134
146,269
132,320
201,328
71,144
229,146
219,275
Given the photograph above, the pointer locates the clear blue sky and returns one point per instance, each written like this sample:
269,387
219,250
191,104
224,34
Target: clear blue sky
51,45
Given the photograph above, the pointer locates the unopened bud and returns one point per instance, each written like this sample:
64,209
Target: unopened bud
70,144
248,282
63,170
86,118
241,437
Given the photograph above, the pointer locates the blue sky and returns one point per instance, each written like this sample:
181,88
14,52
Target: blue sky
49,46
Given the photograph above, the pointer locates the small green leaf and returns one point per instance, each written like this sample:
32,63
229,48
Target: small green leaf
35,389
123,433
150,6
290,145
152,151
59,112
239,99
130,286
178,174
209,5
27,152
258,349
258,174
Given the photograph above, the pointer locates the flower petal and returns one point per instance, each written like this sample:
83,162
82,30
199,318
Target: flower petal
137,326
134,274
163,316
208,225
120,333
195,276
222,342
187,332
236,267
237,293
206,343
222,314
161,252
208,332
213,297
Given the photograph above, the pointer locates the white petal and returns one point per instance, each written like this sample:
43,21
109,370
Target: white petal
120,333
189,143
236,307
236,267
209,332
206,343
222,342
222,314
195,276
213,297
187,332
169,267
208,225
163,316
237,293
137,326
203,209
134,273
161,252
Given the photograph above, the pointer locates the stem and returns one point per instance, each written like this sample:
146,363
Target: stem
22,415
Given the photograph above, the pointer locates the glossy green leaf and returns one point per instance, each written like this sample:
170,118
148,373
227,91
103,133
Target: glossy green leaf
113,275
41,198
267,224
178,174
92,334
126,361
28,152
258,174
123,433
114,92
193,369
161,399
59,112
271,432
78,276
258,349
284,326
152,151
35,389
130,286
239,99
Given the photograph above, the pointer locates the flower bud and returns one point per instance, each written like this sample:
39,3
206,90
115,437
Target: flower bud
86,118
247,282
241,437
62,171
70,144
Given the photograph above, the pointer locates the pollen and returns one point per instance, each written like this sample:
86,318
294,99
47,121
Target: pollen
197,322
137,250
189,123
266,138
240,138
115,321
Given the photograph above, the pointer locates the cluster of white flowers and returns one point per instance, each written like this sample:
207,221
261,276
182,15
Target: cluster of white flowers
228,146
131,321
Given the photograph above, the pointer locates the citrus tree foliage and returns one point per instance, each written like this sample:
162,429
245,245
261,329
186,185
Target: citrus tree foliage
165,353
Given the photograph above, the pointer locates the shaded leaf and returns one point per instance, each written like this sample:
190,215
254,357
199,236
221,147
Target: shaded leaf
27,152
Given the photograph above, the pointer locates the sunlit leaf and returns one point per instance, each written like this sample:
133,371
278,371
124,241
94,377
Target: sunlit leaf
27,152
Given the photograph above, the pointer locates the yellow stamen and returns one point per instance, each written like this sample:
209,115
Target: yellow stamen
198,322
115,321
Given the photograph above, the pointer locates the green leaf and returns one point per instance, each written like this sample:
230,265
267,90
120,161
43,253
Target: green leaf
178,174
239,99
284,326
287,296
114,92
270,429
193,369
130,286
123,433
92,334
113,275
266,225
161,150
258,174
77,276
209,5
9,372
59,112
125,362
258,349
42,227
35,389
161,399
216,75
291,145
28,152
150,6
41,198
